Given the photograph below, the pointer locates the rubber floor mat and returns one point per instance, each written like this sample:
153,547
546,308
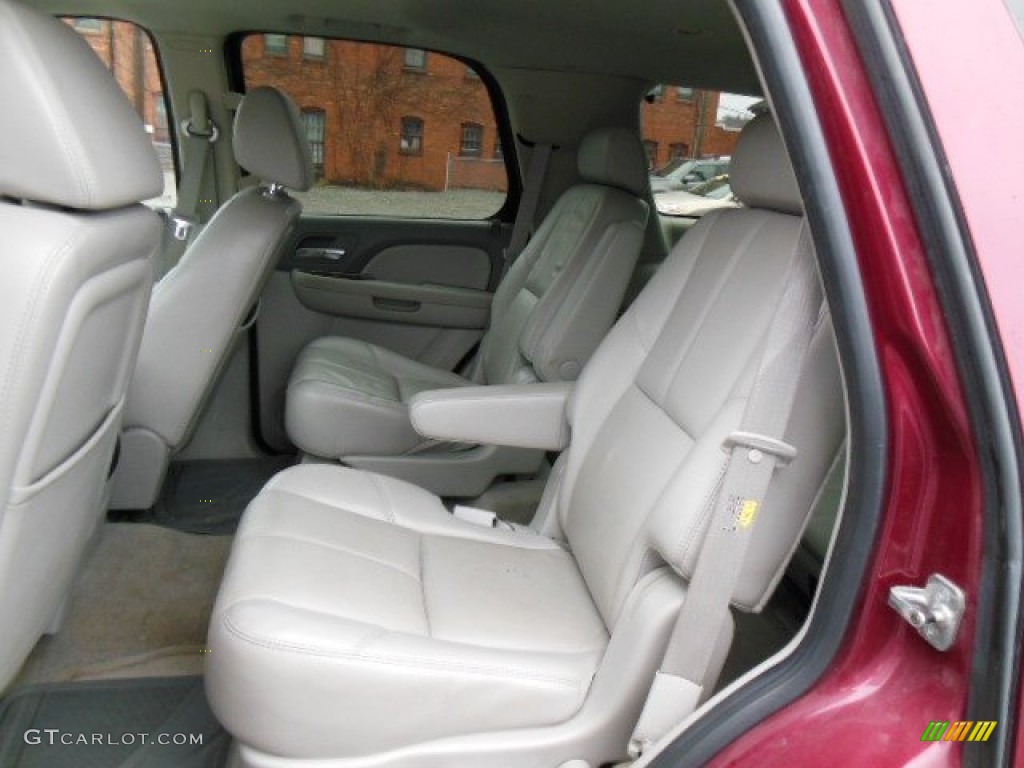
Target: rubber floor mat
208,496
149,723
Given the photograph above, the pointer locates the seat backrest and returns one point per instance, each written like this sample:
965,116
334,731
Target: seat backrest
75,276
562,294
653,409
198,308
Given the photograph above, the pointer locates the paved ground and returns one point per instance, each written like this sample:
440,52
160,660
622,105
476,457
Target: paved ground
452,204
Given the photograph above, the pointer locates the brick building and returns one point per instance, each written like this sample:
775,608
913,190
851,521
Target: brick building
388,117
400,117
382,116
682,122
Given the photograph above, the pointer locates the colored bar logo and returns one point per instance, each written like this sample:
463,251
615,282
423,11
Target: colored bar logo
961,730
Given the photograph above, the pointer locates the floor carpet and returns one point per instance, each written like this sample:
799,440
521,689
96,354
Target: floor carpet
208,496
140,608
151,723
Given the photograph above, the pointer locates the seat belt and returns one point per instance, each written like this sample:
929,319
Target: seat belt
533,184
200,133
755,450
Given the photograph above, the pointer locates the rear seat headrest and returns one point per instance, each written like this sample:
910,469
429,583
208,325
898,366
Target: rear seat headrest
614,157
760,173
70,137
270,141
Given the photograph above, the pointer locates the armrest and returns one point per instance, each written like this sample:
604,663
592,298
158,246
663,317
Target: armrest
521,415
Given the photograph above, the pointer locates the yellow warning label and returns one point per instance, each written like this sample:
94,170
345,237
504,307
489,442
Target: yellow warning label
747,512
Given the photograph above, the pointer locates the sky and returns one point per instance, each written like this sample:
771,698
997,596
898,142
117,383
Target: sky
731,103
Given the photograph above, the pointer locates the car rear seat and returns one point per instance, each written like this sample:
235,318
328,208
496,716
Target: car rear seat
359,619
347,398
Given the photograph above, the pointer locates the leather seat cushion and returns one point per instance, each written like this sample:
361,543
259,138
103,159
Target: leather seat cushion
348,397
351,596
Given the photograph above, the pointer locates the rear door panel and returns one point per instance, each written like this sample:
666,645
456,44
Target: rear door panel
419,287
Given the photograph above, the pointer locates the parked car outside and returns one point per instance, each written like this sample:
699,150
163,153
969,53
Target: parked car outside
698,200
683,173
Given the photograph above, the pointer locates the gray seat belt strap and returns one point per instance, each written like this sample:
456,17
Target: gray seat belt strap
755,451
200,133
534,183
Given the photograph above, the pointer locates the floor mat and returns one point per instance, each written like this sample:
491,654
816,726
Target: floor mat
208,496
141,607
151,723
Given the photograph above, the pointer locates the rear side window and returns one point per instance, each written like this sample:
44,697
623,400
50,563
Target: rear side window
689,135
397,132
128,52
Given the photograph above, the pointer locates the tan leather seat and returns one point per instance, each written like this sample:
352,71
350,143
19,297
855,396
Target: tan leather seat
199,307
359,621
348,400
75,276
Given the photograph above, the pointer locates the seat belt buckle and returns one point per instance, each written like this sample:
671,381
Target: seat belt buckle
759,445
482,517
181,227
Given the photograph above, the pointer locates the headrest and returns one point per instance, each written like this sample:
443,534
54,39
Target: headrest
70,137
760,173
270,139
614,157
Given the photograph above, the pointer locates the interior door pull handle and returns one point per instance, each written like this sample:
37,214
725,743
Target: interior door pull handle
331,254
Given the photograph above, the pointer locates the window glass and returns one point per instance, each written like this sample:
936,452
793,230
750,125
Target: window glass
395,132
87,25
128,52
415,58
472,140
700,130
276,44
316,130
313,47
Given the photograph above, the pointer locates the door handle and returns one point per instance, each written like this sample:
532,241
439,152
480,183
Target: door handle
330,254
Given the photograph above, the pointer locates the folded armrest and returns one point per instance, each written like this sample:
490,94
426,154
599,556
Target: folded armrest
520,415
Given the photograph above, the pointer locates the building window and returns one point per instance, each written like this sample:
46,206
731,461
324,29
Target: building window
415,59
88,25
657,93
651,150
412,136
314,47
678,150
276,44
499,152
685,94
315,121
472,142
